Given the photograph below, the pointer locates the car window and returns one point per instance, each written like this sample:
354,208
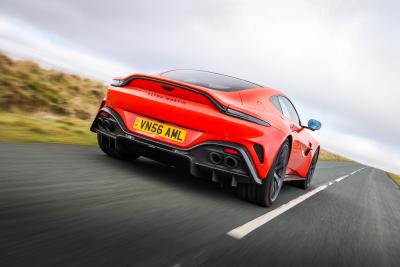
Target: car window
275,101
210,80
289,110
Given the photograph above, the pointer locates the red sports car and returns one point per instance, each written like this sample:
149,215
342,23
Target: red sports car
217,126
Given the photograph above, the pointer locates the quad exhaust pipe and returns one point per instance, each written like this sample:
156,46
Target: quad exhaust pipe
228,161
231,162
215,158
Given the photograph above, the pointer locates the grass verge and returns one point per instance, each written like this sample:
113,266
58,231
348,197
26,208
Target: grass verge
395,178
45,129
326,155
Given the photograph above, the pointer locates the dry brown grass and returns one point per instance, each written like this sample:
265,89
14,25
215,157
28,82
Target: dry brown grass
326,155
40,105
395,178
27,88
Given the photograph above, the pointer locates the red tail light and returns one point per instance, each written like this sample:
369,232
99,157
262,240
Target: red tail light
231,151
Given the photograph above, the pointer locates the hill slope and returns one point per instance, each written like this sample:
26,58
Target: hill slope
27,88
39,105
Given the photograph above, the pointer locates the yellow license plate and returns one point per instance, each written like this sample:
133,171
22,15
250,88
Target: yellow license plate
160,129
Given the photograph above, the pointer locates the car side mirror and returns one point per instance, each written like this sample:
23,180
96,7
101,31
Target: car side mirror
313,125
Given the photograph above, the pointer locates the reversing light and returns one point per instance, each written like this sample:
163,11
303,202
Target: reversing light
244,116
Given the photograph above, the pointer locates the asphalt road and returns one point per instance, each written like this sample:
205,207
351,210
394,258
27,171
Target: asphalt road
73,206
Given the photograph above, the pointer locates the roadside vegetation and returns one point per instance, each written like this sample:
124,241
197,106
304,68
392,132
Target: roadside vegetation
40,105
395,178
45,129
326,155
25,87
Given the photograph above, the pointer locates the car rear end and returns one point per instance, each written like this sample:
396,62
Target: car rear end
181,124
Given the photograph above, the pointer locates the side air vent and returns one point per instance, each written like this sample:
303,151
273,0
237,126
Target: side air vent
260,152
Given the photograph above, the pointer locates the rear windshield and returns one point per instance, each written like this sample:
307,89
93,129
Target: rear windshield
210,80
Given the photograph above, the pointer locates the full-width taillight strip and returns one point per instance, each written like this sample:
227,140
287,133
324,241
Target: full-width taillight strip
228,111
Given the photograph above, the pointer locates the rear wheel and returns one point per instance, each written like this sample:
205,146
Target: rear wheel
304,184
108,146
266,193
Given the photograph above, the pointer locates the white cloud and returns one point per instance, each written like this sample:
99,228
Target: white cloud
370,152
23,41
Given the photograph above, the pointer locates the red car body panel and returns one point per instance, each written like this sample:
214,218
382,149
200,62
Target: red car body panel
170,102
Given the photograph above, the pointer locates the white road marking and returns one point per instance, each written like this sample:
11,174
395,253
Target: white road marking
252,225
341,178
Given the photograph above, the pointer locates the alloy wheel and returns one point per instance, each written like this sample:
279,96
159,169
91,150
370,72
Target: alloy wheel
279,173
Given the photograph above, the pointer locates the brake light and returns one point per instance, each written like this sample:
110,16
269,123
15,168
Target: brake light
231,151
244,116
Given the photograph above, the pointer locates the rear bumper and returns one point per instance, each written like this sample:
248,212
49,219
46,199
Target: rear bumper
196,158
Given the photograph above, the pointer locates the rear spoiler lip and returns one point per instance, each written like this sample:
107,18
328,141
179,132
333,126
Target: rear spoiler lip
127,80
222,108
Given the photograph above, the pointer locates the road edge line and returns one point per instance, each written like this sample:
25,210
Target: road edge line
245,229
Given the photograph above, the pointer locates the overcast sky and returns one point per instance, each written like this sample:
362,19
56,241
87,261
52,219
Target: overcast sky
339,61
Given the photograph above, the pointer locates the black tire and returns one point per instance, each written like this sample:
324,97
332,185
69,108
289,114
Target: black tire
304,184
266,193
107,145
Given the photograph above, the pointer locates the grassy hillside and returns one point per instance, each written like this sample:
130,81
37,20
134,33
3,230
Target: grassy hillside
326,155
39,105
27,88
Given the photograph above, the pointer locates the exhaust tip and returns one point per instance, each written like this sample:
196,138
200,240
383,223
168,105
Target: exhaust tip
231,162
215,158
